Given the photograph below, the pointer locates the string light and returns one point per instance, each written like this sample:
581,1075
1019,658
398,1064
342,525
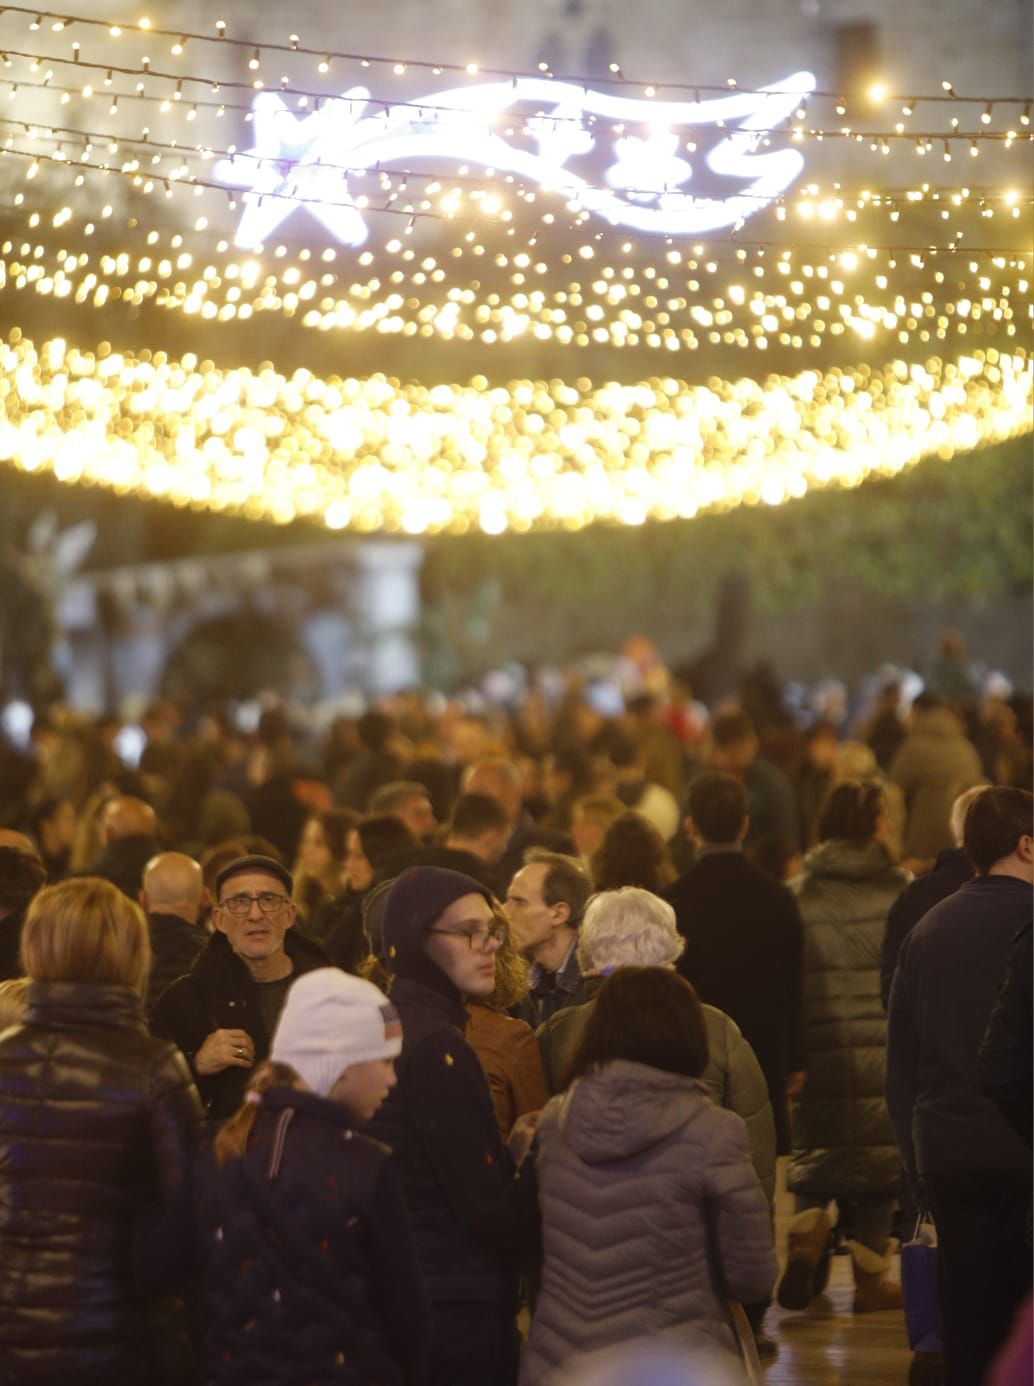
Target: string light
374,455
400,65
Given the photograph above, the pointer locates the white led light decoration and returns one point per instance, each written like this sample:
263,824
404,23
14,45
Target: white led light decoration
307,161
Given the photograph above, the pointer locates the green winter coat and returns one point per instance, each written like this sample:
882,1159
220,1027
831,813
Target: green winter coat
843,1144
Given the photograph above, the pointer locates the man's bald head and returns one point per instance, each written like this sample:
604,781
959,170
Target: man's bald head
127,816
173,884
18,841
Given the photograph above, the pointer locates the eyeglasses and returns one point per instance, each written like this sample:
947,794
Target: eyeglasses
268,902
477,939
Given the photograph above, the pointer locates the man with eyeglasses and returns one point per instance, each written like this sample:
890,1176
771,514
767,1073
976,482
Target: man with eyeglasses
222,1014
440,936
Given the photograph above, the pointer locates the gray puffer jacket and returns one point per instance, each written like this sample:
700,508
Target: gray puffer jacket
843,1143
733,1076
633,1166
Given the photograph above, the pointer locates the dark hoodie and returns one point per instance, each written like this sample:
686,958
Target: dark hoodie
439,1119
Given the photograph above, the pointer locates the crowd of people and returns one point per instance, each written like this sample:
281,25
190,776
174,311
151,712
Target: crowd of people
458,1047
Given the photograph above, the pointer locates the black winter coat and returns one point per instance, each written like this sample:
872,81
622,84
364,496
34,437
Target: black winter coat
308,1272
97,1125
843,1141
744,957
951,870
218,994
949,974
175,947
1006,1067
440,1122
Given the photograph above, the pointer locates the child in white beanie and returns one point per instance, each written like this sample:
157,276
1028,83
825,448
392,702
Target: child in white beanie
309,1272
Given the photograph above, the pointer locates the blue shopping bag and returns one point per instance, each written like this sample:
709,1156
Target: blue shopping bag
919,1286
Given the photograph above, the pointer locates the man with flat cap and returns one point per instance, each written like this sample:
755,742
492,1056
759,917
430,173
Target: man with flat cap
222,1014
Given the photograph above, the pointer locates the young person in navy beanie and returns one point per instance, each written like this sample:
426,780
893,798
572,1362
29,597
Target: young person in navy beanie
440,935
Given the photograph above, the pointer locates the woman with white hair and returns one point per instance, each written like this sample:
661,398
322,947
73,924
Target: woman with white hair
632,927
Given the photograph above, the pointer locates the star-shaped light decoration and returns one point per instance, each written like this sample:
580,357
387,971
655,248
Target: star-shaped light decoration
286,166
650,166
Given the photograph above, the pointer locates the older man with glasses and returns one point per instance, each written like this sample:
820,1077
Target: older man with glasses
222,1014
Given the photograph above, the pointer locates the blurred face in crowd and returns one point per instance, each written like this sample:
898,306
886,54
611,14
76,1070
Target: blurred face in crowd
588,832
254,913
357,863
314,855
463,942
418,815
530,918
58,831
737,757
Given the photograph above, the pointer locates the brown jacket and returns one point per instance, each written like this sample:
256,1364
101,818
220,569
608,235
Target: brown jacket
510,1057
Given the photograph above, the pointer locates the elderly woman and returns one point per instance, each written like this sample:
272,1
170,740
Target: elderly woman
633,928
843,1145
97,1122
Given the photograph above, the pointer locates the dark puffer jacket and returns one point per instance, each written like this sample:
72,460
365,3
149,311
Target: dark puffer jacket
843,1142
97,1123
309,1272
218,994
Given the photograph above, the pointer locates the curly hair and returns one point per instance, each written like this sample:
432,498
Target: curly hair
632,853
511,969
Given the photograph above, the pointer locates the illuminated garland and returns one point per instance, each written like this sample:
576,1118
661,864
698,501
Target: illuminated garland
612,309
374,455
175,101
61,21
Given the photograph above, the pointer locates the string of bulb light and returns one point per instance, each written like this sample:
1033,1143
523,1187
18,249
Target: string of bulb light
191,106
428,108
167,183
376,455
889,197
60,21
805,196
615,314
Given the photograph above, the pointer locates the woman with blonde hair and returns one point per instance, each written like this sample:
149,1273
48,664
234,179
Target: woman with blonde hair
97,1138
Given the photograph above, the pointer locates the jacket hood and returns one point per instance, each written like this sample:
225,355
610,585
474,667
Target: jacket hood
415,901
840,857
622,1108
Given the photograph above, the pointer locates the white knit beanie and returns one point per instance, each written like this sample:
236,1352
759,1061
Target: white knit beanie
330,1021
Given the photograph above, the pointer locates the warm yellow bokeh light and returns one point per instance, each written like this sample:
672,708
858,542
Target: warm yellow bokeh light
372,454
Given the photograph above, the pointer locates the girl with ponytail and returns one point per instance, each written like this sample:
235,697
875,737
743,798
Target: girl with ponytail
305,1247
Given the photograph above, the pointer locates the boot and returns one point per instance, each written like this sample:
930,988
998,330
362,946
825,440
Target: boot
872,1289
807,1248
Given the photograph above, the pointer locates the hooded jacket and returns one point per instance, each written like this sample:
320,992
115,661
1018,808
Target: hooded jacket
439,1119
843,1142
308,1270
733,1076
649,1202
218,994
97,1125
